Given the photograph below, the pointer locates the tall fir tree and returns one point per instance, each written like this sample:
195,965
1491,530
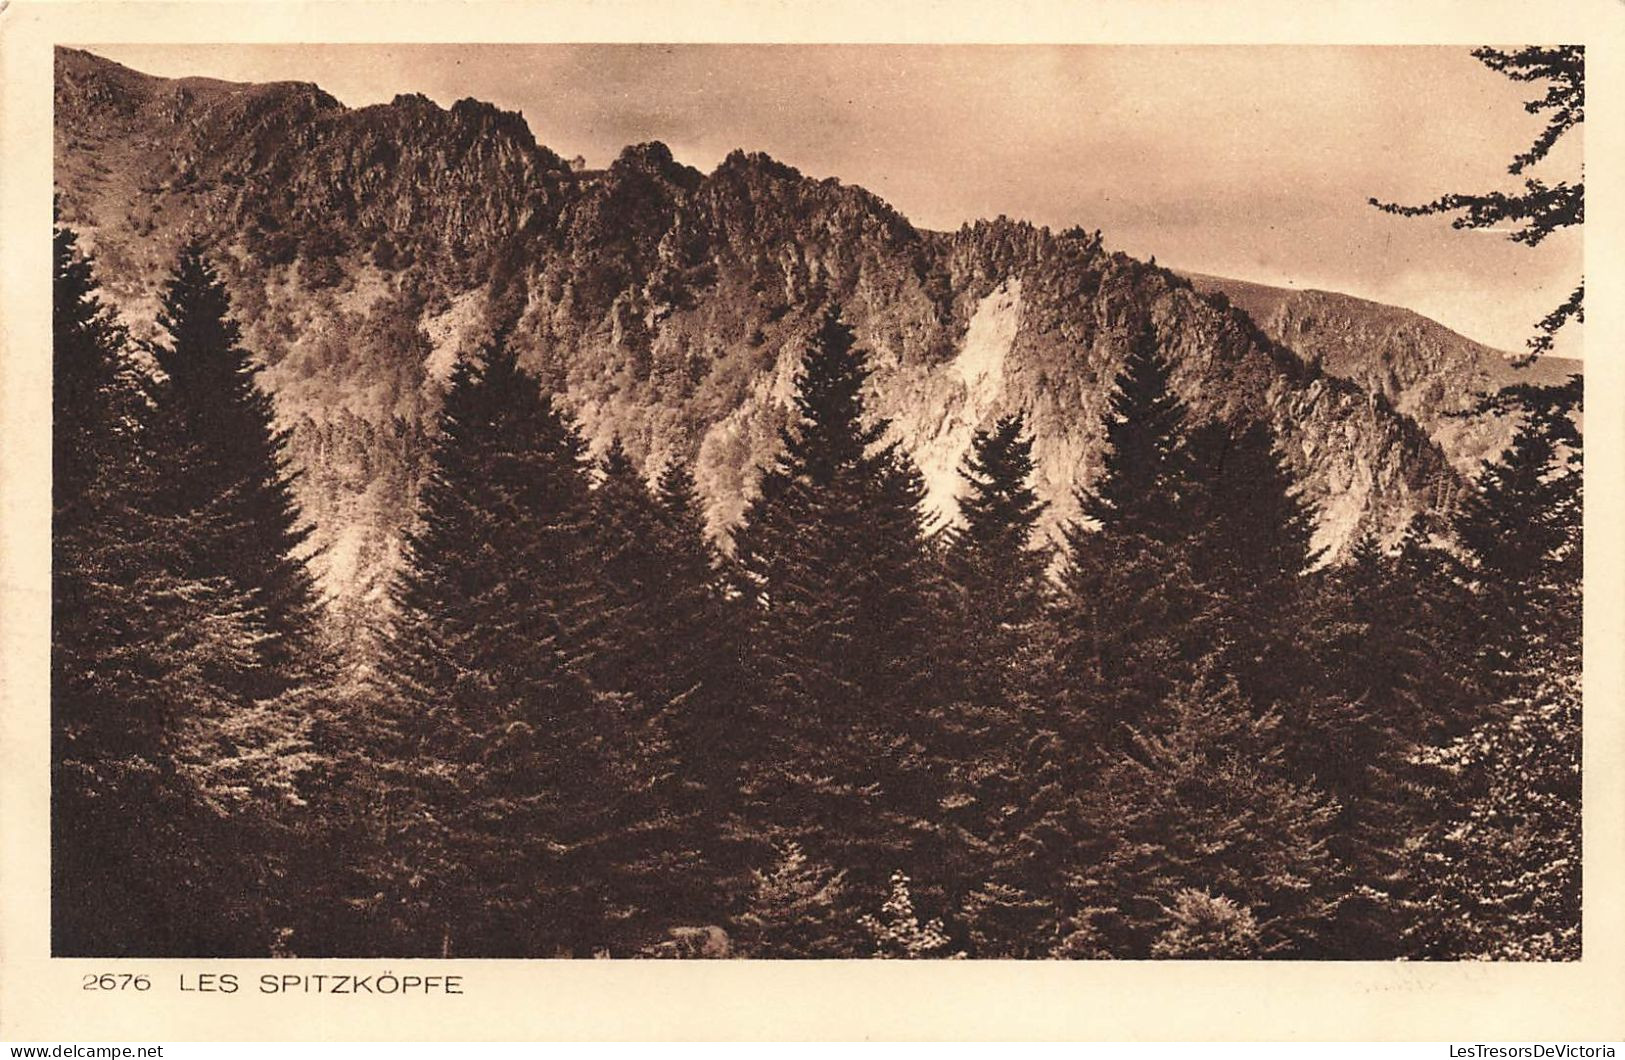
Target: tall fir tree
703,625
631,571
1205,802
995,591
1500,866
1148,485
498,727
997,576
145,859
1252,546
1355,731
529,805
797,909
1129,605
1256,526
95,397
661,631
1517,527
1117,639
833,553
226,473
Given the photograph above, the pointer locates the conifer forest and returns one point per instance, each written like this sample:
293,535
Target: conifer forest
1145,706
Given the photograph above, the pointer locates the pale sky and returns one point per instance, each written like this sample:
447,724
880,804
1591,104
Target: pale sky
1250,162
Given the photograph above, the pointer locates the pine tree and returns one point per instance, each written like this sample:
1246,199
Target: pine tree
696,611
1358,724
1252,546
1500,868
897,931
832,553
144,860
798,910
1122,630
702,624
1208,928
502,784
659,629
1256,527
997,576
94,396
1519,529
1147,487
1205,802
226,474
1130,606
995,593
1007,922
631,574
1429,600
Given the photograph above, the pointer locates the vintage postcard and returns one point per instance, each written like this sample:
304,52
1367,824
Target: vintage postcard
716,521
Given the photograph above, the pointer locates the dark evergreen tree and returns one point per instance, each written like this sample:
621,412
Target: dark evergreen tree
95,398
662,632
1518,527
897,932
798,909
1430,602
1205,802
1256,527
144,732
1122,629
704,624
1251,539
226,475
998,577
1022,822
513,776
832,552
993,638
1148,485
1130,606
1500,864
1357,728
631,573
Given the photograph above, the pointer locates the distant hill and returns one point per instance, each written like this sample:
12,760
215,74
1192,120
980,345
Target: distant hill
1429,372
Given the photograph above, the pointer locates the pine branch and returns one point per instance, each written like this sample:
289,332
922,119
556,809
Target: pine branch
1573,308
1541,210
1564,67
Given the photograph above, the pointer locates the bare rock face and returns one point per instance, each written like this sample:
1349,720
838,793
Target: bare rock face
368,249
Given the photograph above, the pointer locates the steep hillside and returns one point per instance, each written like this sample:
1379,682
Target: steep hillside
368,248
1429,372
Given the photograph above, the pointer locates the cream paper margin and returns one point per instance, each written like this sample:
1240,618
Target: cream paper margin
41,999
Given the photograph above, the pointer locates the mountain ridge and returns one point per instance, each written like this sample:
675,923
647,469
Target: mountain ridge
367,248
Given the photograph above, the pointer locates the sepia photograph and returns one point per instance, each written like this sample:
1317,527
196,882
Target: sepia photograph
817,502
1052,524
